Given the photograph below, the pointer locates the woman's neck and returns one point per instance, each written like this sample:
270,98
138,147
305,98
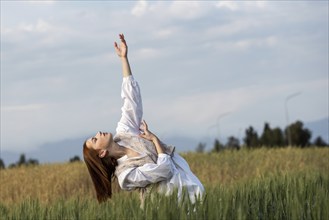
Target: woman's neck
117,151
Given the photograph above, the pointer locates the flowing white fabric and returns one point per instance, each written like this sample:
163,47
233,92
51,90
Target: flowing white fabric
147,174
182,178
170,172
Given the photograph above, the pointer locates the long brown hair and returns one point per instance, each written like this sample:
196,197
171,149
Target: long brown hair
101,171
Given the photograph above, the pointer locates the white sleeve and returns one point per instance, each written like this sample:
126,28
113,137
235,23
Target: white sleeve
150,173
132,109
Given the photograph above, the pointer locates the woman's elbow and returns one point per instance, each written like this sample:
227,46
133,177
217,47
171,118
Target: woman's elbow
168,172
164,174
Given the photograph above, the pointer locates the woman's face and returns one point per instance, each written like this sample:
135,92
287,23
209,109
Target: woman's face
101,142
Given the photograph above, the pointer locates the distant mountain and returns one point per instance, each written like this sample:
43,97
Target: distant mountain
319,128
182,143
60,151
63,150
9,157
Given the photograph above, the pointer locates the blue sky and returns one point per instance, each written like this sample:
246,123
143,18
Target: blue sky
205,68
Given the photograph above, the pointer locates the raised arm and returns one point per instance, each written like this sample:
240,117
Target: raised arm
122,52
132,109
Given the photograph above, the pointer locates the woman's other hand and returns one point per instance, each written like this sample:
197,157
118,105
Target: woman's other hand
121,50
151,137
146,133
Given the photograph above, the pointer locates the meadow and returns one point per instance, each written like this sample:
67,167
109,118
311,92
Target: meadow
281,183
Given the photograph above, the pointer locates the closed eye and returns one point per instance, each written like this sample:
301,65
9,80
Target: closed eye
94,139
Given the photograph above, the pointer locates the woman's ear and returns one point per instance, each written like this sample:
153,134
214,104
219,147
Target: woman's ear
102,153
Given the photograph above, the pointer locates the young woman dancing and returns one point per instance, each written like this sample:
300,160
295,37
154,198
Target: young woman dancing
134,154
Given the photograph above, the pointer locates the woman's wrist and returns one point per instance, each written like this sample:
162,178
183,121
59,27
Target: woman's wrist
126,71
157,144
154,139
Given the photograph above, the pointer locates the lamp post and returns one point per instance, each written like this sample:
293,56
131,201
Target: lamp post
208,131
218,119
289,97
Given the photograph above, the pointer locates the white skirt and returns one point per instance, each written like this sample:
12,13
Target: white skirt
182,179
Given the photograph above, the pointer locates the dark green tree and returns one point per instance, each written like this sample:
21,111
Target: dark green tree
319,142
200,148
233,143
272,137
251,139
22,160
299,136
32,162
266,137
217,146
12,165
277,137
2,164
75,159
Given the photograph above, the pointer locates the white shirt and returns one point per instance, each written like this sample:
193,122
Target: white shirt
132,113
172,172
132,109
146,174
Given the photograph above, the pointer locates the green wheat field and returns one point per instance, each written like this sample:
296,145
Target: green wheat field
282,183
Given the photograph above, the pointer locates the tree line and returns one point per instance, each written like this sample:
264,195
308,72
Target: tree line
22,161
294,134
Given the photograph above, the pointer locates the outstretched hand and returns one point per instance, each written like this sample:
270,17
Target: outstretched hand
146,133
151,137
121,50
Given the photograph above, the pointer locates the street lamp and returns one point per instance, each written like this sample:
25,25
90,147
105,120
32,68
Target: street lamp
218,119
289,97
209,136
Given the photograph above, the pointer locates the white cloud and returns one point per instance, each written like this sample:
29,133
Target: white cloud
165,32
39,33
39,26
47,2
192,114
231,5
27,107
244,44
187,10
165,12
237,26
256,42
241,5
140,8
146,53
42,26
25,127
51,54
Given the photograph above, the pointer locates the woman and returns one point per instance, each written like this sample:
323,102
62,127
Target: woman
135,155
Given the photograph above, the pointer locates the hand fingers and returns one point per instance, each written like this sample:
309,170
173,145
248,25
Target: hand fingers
122,37
142,127
116,46
142,130
145,124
